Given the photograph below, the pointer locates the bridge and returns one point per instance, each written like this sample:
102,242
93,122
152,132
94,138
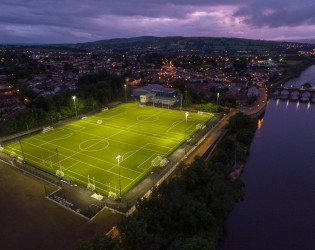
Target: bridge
293,93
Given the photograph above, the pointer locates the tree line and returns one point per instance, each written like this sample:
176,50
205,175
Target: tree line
93,91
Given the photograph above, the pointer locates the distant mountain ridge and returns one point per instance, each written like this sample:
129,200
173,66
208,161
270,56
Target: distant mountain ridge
309,41
179,42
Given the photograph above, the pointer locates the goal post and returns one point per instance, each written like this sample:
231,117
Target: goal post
91,186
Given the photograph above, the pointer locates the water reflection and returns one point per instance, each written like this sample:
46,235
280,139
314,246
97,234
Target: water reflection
260,122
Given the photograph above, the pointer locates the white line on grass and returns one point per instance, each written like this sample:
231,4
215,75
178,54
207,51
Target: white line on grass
78,152
134,131
155,114
95,180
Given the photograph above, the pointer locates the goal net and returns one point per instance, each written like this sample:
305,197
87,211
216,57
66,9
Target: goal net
156,161
13,154
104,109
112,195
47,129
99,121
60,174
90,186
198,126
164,162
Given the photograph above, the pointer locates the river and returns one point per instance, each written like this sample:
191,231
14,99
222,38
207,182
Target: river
278,211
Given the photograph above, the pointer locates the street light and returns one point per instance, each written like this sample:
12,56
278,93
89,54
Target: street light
125,85
185,130
218,94
117,158
75,107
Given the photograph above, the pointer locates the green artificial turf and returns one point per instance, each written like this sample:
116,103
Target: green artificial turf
138,133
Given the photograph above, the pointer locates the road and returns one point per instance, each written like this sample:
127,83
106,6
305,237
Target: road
217,131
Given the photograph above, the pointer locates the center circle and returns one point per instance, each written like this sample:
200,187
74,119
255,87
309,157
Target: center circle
147,118
94,145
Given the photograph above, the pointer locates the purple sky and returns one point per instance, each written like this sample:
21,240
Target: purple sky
72,21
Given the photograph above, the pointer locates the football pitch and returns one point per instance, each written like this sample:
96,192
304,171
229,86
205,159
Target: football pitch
88,147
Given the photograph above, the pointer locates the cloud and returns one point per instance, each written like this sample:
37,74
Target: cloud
64,21
280,13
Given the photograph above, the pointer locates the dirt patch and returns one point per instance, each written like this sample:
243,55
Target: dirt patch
30,221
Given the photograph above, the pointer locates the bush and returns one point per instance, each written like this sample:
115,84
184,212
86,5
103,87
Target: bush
244,136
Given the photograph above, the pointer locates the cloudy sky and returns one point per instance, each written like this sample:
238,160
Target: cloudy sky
72,21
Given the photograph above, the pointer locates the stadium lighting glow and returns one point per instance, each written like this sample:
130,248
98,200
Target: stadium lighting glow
125,85
218,94
117,158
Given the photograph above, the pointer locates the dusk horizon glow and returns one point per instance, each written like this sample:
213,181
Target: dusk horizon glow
70,21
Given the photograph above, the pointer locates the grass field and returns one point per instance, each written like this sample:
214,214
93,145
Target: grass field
86,148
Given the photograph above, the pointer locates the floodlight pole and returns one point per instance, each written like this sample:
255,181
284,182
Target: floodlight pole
22,150
75,107
117,158
125,85
58,160
181,101
185,130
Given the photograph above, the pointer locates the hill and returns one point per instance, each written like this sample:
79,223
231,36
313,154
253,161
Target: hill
180,43
308,41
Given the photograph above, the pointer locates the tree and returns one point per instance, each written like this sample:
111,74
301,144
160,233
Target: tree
240,120
11,80
245,136
187,101
67,66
